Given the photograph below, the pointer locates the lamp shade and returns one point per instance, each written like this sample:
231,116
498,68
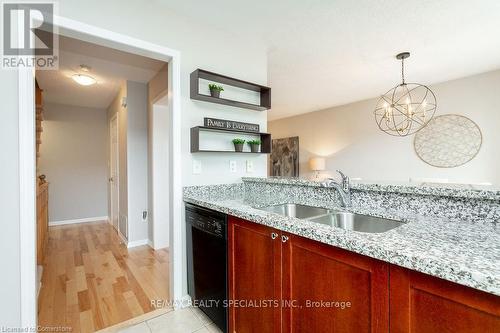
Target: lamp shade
317,164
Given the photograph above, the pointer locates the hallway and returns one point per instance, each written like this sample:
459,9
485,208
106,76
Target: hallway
92,281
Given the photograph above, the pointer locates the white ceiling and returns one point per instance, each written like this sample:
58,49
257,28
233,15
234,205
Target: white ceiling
109,66
324,53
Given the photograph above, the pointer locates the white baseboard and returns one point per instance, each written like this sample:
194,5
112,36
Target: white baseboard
137,243
84,220
151,245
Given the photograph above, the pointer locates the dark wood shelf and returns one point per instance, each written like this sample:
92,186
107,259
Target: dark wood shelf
265,92
265,138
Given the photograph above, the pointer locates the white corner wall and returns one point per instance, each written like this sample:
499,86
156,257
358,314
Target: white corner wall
137,160
351,141
158,159
74,159
10,302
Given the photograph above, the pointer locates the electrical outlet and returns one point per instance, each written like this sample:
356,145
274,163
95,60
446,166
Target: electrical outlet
249,166
232,166
196,167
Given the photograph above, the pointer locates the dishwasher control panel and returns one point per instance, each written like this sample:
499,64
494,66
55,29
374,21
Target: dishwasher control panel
214,224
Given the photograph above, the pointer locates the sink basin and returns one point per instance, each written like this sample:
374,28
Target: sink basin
295,210
357,222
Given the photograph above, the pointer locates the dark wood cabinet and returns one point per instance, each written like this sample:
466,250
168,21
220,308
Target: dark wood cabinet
254,277
421,303
327,289
299,285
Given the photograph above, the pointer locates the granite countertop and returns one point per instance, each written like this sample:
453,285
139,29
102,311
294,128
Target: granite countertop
448,190
465,253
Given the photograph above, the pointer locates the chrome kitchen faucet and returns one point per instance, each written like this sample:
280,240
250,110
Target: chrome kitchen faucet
343,188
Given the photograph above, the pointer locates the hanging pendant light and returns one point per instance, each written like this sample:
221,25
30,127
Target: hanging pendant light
406,108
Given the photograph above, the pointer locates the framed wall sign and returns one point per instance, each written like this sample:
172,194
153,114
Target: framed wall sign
231,125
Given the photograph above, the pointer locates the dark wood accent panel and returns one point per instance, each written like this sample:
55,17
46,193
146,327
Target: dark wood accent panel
254,276
265,92
265,138
321,273
421,303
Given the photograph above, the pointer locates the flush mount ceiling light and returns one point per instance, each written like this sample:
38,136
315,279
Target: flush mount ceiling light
84,79
406,108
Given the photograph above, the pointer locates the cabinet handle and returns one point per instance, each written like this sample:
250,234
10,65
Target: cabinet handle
284,238
274,235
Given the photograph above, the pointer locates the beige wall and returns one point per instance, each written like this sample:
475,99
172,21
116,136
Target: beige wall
73,157
158,85
350,139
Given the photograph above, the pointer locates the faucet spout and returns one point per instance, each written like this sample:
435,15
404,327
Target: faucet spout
343,188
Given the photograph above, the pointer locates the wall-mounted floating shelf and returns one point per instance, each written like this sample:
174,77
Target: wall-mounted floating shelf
265,138
265,92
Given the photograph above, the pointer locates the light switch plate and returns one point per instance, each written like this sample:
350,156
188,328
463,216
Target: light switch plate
232,166
196,167
249,166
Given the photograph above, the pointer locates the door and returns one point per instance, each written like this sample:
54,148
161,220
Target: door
113,171
254,277
327,289
421,303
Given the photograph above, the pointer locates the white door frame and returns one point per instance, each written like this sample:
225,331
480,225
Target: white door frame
27,148
115,182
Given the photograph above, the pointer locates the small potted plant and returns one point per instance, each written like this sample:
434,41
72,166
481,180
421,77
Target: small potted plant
238,144
215,90
254,145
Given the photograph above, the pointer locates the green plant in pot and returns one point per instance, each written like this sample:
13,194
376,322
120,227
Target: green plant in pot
254,145
238,144
215,89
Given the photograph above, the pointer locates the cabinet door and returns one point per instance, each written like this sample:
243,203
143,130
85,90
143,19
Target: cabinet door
254,277
327,289
422,303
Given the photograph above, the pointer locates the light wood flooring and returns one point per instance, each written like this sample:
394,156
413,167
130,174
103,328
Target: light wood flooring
92,281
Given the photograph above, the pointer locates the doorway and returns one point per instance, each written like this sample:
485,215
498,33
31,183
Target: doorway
26,78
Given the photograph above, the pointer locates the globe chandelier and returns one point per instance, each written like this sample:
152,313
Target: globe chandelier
406,108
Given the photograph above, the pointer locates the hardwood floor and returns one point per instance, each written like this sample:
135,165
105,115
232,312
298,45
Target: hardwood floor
92,281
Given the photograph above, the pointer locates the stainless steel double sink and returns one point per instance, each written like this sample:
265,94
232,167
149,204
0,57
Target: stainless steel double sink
339,219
